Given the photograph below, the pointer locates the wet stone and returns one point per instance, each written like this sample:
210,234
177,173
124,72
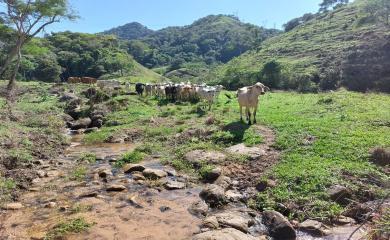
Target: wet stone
115,188
154,174
199,208
164,208
129,168
173,185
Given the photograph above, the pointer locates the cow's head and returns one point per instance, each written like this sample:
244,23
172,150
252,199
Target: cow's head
260,88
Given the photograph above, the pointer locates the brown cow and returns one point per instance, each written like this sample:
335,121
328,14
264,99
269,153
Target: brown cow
74,80
88,80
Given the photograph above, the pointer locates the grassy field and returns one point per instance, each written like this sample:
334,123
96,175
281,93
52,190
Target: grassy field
325,139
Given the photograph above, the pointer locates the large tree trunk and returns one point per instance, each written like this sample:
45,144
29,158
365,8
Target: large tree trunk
12,81
9,59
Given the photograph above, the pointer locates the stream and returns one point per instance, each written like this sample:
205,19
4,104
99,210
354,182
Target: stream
140,212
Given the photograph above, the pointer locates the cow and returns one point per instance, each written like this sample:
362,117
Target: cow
139,88
74,80
148,89
171,92
209,94
88,80
248,97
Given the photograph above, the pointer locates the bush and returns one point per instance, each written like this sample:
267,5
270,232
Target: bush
135,156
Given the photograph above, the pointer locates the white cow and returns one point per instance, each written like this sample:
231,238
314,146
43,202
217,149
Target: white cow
248,97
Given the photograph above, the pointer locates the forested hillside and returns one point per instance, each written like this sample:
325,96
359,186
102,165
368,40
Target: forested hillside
348,46
210,40
62,55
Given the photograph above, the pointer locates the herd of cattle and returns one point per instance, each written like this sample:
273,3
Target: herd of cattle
248,97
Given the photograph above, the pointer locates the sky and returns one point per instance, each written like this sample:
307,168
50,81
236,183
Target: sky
99,15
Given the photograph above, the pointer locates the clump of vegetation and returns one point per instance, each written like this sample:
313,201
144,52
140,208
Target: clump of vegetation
77,225
252,137
87,157
6,187
78,174
223,137
134,156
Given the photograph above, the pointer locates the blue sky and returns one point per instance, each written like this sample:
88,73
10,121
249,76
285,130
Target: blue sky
99,15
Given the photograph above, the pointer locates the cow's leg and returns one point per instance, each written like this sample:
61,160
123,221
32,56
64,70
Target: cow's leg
254,115
240,113
249,116
247,113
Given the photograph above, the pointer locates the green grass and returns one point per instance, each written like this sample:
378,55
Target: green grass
324,139
78,174
6,187
87,157
77,225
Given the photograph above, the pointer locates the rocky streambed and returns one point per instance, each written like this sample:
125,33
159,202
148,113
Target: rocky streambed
146,201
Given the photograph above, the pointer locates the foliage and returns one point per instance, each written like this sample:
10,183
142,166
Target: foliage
76,225
135,156
324,53
87,157
213,39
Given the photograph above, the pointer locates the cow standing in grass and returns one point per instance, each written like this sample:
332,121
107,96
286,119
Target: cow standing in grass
248,97
139,88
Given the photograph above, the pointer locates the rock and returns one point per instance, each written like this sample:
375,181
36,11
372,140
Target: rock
88,194
115,188
224,182
129,168
50,205
313,227
210,222
134,201
164,208
81,123
67,118
111,159
234,196
36,181
197,157
98,123
104,172
53,173
264,184
115,139
171,172
173,185
13,206
213,195
343,220
339,194
199,208
91,130
41,173
137,176
38,236
224,234
251,152
213,175
278,226
68,97
234,220
154,174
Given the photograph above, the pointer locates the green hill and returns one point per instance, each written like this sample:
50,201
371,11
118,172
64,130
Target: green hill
347,47
211,40
130,31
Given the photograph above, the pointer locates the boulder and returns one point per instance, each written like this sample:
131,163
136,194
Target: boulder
174,185
213,175
89,194
137,176
339,194
129,168
98,123
154,174
233,196
251,152
104,172
210,222
213,195
278,226
115,188
224,234
66,97
224,182
197,157
81,123
199,208
313,227
67,118
234,220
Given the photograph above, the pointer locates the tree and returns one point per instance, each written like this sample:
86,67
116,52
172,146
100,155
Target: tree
380,9
326,4
29,17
